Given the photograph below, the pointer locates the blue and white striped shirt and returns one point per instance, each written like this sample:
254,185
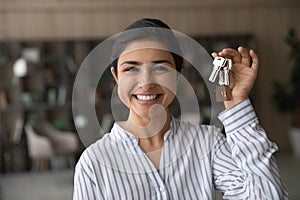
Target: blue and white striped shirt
195,160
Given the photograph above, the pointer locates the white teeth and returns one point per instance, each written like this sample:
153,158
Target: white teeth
146,97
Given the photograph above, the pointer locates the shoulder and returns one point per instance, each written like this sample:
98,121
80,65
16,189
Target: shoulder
201,131
197,134
95,153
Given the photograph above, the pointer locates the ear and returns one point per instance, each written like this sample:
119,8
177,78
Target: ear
113,73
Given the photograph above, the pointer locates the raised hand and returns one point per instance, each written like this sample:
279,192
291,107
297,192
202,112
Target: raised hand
242,74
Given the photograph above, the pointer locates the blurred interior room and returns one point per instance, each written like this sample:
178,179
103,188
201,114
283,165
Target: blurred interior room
44,43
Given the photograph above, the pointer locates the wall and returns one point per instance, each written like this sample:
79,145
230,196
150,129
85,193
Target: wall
267,20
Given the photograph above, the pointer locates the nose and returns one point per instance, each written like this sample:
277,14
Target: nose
146,78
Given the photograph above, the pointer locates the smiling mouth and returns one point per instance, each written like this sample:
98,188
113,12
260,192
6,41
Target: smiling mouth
147,97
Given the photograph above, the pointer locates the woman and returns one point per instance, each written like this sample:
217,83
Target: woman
152,155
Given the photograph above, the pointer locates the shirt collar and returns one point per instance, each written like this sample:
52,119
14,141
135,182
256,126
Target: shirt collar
123,135
126,136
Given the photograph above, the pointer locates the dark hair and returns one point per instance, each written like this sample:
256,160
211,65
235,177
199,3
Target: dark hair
147,29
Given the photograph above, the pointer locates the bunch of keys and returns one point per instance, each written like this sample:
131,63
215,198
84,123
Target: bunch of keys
221,68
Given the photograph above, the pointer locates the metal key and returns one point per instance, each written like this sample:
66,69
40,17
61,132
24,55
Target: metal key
218,63
226,75
223,91
221,77
229,63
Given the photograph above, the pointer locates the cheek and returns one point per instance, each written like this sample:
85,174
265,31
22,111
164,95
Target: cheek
170,96
126,84
169,82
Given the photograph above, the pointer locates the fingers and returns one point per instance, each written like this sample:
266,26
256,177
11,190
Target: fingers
245,56
214,54
255,61
231,54
241,55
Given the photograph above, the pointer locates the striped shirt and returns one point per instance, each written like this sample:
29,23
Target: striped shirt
195,160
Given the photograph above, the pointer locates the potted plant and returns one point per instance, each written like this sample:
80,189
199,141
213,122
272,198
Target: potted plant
287,96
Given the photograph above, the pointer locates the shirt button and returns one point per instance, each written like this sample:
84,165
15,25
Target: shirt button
162,188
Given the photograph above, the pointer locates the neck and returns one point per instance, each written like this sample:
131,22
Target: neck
145,128
150,134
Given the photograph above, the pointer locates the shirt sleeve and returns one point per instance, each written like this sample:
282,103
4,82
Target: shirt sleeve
243,163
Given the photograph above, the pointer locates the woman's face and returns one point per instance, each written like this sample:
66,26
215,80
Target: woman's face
146,77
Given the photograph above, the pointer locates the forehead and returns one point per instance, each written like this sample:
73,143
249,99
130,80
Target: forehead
145,51
143,44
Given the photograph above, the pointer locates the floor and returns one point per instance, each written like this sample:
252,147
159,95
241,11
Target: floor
58,185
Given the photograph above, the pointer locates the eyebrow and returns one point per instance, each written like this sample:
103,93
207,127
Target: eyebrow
139,63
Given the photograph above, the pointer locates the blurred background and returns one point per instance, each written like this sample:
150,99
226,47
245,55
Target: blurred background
43,43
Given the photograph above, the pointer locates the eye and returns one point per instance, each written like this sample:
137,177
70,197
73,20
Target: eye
161,68
131,69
